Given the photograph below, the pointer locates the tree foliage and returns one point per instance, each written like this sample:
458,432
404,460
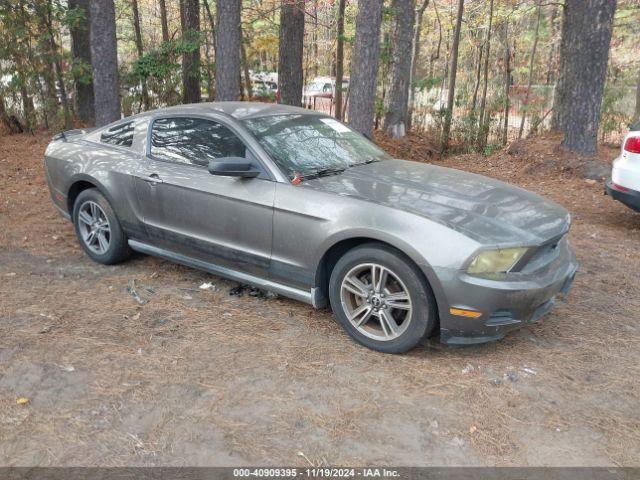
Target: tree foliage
38,67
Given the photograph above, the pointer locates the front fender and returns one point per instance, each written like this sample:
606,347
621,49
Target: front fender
362,235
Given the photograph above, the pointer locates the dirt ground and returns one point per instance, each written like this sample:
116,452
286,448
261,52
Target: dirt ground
200,377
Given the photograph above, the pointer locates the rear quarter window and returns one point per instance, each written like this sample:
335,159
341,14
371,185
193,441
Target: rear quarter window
120,135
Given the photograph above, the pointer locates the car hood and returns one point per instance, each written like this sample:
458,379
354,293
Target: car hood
485,209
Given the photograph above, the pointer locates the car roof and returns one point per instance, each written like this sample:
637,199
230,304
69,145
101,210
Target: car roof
238,110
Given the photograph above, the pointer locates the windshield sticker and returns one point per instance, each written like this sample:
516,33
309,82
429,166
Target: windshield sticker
336,125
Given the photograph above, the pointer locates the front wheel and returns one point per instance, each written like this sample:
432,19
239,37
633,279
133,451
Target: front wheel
381,299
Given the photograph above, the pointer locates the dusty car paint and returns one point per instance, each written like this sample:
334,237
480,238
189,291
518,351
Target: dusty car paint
277,235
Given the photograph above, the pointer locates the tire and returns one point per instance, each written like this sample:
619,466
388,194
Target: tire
403,280
92,206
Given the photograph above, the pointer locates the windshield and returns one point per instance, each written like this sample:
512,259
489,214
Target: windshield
307,144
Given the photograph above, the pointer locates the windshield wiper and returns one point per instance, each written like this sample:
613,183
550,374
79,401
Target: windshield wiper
366,162
323,172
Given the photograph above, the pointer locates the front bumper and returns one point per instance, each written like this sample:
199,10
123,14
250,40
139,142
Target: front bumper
505,304
630,198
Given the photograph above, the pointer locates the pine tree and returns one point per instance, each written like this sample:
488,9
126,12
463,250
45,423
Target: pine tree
228,37
290,51
364,66
584,54
104,59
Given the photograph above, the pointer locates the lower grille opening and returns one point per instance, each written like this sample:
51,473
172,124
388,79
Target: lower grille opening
501,317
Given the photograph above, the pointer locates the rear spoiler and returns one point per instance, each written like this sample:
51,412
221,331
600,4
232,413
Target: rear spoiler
64,136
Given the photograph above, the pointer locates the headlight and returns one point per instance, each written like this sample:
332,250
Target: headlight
496,261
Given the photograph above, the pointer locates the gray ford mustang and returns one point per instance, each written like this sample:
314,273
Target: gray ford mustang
293,201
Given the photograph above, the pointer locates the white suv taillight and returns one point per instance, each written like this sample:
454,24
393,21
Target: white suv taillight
632,145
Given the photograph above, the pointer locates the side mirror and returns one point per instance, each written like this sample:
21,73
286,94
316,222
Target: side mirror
233,167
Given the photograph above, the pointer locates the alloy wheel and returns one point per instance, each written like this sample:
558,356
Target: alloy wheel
376,301
94,227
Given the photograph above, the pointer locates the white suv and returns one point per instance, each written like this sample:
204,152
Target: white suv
624,185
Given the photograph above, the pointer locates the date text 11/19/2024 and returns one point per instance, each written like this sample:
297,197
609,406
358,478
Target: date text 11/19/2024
316,472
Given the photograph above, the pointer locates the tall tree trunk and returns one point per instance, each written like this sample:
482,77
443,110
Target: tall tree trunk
227,46
104,59
48,94
140,50
551,62
190,25
27,107
212,22
45,11
587,29
557,121
315,38
398,97
507,82
364,66
81,54
474,101
523,115
340,59
453,70
385,68
290,51
446,65
415,54
68,121
245,69
210,70
483,118
163,20
436,54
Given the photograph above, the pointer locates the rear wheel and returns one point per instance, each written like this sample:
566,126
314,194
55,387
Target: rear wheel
381,299
98,229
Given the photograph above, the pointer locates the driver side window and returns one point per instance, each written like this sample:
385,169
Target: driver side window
194,141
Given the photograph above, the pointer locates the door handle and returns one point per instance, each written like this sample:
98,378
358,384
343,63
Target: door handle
153,179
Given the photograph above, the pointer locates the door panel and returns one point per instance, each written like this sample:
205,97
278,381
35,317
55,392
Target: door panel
223,220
